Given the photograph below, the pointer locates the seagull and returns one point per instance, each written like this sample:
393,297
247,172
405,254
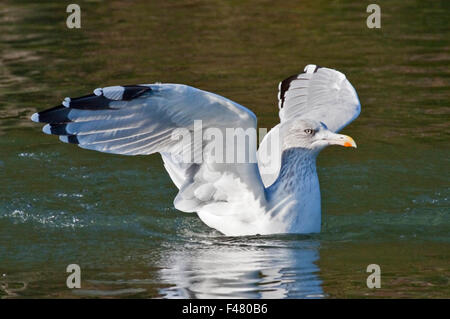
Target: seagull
274,190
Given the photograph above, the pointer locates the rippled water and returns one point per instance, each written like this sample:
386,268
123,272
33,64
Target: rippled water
385,203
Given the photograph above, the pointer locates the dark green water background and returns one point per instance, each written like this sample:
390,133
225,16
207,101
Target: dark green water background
385,203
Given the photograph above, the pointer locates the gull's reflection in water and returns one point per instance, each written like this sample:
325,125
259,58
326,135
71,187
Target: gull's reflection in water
243,268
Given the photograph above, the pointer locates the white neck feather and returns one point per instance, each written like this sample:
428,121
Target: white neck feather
297,186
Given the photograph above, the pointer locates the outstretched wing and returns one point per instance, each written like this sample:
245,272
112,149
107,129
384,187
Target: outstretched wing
320,94
145,119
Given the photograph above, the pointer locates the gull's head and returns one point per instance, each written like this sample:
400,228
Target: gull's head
312,135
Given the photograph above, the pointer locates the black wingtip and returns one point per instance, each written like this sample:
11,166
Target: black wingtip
134,91
58,129
57,114
284,86
72,139
90,102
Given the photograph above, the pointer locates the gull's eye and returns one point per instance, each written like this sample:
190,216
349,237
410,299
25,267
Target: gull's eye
309,131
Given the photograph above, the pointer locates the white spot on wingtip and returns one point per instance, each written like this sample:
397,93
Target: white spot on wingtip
113,92
310,68
46,129
64,138
66,102
35,117
98,91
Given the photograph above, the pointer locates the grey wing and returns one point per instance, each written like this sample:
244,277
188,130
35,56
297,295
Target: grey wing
145,119
321,94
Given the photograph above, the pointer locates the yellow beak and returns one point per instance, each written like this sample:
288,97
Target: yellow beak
341,139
